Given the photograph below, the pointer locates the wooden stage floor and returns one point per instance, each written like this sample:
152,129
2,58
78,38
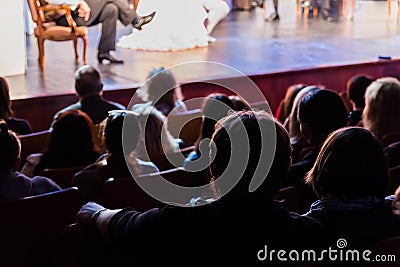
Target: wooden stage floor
244,41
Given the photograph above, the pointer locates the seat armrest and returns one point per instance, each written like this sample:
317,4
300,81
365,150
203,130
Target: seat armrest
60,9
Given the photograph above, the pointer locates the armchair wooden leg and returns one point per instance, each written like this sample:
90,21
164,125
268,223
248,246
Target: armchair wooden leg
306,12
388,9
41,58
298,11
76,49
351,10
85,43
315,8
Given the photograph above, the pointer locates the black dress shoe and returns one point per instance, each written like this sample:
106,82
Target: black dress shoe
273,17
109,57
140,21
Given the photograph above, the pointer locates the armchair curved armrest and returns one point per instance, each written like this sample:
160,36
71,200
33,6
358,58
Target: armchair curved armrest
59,9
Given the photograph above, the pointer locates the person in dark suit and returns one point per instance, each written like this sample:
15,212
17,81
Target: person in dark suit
107,12
89,89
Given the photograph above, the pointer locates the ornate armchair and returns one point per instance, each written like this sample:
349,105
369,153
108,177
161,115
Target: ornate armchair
48,30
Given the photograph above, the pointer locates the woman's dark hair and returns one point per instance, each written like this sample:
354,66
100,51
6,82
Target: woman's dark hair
266,137
351,164
323,111
239,103
5,101
10,148
70,142
215,107
356,87
72,132
115,138
287,103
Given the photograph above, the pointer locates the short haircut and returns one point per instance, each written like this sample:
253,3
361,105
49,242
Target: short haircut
323,111
253,122
356,87
10,148
351,164
87,81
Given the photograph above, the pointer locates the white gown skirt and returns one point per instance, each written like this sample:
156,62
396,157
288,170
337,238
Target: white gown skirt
177,25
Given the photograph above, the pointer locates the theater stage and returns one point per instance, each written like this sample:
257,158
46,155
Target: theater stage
273,54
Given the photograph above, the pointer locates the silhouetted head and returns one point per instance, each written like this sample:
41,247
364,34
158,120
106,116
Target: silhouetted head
356,87
321,112
5,101
87,81
161,87
10,149
72,133
287,102
351,164
294,124
116,140
268,141
239,103
215,107
381,114
155,138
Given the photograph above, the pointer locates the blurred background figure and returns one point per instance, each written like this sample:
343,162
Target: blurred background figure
274,15
155,139
162,91
217,10
18,126
356,87
285,106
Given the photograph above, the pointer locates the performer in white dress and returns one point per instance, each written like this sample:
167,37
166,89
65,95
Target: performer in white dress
179,25
217,10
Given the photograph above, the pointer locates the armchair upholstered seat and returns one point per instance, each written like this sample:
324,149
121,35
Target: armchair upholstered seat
48,30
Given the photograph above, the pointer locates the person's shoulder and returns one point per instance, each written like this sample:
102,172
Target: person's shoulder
296,220
116,105
19,177
75,106
19,126
16,120
41,185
